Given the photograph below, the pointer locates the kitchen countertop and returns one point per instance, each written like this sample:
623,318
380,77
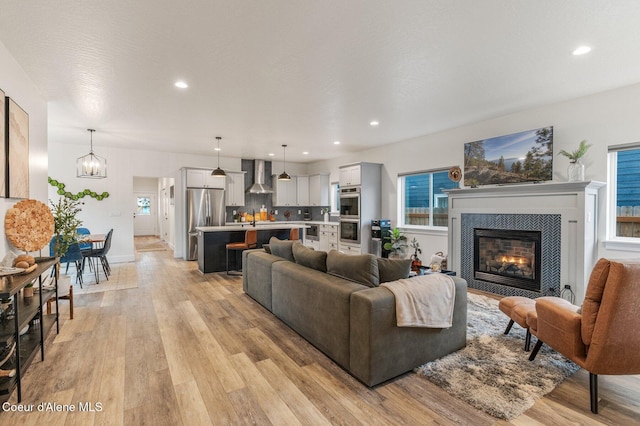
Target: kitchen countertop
318,222
247,225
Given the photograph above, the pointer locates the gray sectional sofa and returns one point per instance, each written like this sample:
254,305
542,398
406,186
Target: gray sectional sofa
353,323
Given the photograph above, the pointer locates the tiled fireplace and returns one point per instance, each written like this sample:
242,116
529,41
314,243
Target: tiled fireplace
511,254
527,240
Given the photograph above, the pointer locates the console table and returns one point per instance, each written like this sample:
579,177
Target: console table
27,312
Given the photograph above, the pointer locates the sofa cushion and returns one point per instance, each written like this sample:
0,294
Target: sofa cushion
393,269
266,248
310,258
282,248
361,268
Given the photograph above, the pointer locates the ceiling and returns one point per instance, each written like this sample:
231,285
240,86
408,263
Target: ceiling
307,73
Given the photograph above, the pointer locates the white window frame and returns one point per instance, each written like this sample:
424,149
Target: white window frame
334,198
612,241
429,229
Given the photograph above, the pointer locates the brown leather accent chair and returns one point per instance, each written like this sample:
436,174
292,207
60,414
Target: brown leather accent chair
602,337
250,241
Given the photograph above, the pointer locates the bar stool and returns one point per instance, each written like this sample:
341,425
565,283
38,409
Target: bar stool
250,241
294,234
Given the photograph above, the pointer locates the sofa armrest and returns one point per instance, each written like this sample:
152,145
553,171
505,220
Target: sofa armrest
559,326
380,350
256,275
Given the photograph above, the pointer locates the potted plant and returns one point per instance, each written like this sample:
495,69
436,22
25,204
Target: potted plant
575,172
27,292
416,263
65,221
397,244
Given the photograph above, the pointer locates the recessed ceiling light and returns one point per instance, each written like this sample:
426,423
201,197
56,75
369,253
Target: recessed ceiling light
336,142
271,154
582,50
305,152
216,149
181,84
374,123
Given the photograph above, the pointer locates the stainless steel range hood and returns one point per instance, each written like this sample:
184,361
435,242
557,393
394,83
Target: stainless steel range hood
259,187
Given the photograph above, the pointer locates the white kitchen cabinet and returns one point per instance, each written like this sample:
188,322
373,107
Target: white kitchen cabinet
314,244
328,236
198,178
349,248
319,190
350,175
284,192
234,194
302,191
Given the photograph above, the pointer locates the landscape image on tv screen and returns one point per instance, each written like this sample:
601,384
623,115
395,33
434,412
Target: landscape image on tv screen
517,158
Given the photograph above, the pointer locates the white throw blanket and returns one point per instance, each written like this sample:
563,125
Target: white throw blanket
424,301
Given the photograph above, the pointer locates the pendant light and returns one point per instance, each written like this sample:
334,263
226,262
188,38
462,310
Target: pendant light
218,172
284,175
91,166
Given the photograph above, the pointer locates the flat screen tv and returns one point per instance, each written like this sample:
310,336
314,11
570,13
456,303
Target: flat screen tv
517,158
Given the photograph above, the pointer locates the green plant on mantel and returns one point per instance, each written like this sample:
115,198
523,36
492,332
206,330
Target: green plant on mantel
578,153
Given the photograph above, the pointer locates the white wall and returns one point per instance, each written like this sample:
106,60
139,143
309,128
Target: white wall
17,85
603,119
167,209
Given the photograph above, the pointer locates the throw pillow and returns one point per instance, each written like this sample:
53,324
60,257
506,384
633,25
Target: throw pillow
282,248
310,258
393,269
361,268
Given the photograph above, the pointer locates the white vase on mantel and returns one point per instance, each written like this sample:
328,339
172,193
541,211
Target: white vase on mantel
575,171
326,217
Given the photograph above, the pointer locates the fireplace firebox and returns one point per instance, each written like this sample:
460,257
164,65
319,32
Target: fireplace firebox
508,257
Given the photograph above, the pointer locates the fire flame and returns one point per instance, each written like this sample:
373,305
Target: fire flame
511,259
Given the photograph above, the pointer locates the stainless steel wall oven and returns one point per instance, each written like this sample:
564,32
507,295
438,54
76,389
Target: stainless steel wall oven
350,203
350,231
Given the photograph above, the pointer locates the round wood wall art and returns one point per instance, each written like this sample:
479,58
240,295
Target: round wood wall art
29,225
455,174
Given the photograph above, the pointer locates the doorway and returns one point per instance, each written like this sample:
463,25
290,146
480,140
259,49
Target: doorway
145,214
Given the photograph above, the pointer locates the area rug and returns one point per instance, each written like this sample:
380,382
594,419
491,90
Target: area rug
123,276
493,373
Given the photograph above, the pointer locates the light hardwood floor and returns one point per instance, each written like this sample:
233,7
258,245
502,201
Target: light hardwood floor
188,349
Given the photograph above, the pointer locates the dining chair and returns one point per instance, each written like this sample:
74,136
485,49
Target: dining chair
101,255
73,254
84,231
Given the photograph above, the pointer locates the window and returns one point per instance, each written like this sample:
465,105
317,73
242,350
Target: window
624,204
144,206
423,201
334,197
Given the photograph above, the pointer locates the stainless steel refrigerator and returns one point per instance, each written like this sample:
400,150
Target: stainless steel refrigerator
205,207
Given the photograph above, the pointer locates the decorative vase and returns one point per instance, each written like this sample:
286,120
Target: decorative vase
575,172
28,292
326,217
416,264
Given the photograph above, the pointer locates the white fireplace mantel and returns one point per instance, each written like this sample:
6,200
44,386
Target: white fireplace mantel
575,202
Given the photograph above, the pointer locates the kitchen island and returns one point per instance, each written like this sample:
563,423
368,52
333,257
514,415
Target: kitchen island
212,241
